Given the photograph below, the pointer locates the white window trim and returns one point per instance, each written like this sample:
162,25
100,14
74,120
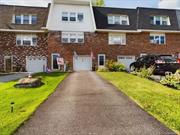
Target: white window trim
121,35
159,35
161,20
21,38
22,18
104,60
76,36
120,19
76,16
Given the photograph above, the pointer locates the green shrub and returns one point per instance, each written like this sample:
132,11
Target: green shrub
144,72
113,66
172,80
102,69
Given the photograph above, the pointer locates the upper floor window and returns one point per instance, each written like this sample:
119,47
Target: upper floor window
117,39
160,20
26,39
72,17
72,37
24,19
118,19
157,38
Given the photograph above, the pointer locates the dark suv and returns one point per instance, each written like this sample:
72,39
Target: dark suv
162,63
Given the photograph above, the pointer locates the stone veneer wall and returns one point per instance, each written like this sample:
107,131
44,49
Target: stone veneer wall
8,48
137,43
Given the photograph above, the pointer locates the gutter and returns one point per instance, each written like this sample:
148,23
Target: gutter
23,31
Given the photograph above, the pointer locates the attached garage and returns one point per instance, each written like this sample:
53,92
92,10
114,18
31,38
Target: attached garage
81,63
35,64
126,60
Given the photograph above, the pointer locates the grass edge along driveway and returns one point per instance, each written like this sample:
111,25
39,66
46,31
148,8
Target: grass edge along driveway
26,100
160,101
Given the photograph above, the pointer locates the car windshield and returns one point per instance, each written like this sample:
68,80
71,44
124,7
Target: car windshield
168,59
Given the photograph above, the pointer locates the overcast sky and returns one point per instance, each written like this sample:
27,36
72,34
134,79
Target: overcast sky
109,3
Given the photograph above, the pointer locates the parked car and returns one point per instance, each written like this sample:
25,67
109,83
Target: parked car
161,63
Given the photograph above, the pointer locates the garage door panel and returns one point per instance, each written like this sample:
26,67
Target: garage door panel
126,60
82,63
35,64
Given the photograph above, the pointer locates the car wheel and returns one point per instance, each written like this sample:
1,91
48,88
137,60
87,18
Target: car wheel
132,68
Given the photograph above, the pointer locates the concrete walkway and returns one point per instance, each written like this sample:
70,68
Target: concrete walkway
85,104
15,76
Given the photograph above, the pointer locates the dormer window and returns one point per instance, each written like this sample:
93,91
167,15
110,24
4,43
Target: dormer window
24,19
118,19
72,17
160,20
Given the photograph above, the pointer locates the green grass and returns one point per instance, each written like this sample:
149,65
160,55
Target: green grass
26,101
160,101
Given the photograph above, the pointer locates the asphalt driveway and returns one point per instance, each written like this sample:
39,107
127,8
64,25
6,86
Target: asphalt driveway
11,77
85,104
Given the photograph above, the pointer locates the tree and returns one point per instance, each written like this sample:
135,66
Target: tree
98,2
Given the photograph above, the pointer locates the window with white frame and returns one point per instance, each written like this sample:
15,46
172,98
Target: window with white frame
26,39
115,38
24,19
160,20
72,16
158,39
72,37
118,19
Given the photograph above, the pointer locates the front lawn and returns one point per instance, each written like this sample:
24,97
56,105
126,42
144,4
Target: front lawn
26,101
160,101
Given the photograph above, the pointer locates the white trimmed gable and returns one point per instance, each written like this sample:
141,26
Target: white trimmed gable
58,7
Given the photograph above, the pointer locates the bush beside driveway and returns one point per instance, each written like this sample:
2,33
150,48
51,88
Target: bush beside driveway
160,101
25,101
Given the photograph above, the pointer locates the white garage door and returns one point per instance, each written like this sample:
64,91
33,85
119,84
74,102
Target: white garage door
82,63
126,60
36,64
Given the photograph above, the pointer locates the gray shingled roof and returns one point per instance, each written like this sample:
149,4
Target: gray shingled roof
101,14
7,11
139,18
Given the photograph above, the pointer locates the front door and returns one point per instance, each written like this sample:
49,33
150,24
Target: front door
8,63
54,64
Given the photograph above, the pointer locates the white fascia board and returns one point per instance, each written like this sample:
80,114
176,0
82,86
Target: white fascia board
23,31
123,31
158,31
92,14
73,2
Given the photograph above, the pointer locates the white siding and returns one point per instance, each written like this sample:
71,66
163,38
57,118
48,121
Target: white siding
55,22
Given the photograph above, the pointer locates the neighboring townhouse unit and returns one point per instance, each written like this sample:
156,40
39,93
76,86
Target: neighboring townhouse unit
23,42
85,36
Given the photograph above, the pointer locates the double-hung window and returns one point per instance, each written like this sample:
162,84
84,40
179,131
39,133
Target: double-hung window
17,19
26,39
34,19
160,20
72,37
80,17
118,19
26,19
64,16
72,17
117,39
158,39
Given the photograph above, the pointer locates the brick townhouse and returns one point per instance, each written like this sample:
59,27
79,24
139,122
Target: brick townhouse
32,38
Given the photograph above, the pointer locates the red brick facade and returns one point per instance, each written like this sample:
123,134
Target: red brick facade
8,47
136,43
